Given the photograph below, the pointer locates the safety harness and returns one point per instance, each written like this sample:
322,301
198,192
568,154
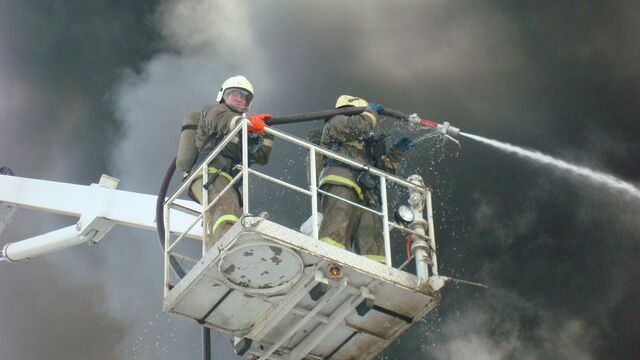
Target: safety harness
365,185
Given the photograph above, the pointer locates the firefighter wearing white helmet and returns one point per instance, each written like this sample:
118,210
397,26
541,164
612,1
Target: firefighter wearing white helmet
344,225
238,82
215,122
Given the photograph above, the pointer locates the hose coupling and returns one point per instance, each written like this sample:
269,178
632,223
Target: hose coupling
446,129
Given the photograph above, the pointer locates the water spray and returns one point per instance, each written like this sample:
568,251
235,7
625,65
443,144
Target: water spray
581,171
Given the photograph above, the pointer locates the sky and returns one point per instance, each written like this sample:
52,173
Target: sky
100,87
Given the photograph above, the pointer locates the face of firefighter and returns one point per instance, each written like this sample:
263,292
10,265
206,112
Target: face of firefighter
238,99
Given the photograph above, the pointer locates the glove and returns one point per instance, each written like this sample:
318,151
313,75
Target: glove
257,122
375,107
403,144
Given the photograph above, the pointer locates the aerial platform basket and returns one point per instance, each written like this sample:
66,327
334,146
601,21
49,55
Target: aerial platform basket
284,294
288,296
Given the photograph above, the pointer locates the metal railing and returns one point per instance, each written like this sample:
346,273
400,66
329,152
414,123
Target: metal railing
422,231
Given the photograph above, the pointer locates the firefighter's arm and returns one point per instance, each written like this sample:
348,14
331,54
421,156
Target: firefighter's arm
220,121
349,128
391,161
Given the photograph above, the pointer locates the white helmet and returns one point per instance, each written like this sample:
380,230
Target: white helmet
237,81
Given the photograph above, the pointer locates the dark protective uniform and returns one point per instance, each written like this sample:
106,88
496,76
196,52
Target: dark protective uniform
345,225
216,121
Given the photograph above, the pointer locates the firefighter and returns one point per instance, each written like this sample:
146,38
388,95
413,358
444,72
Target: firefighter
344,225
216,121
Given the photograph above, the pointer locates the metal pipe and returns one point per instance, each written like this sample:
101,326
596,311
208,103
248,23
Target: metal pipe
168,259
43,244
432,235
206,226
245,167
355,164
420,247
279,182
379,213
187,182
385,221
314,193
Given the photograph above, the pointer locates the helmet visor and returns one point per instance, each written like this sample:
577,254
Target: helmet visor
237,92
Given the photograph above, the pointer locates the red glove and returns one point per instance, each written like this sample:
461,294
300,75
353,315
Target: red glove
257,122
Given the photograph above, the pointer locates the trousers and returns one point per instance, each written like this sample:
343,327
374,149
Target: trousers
349,227
224,213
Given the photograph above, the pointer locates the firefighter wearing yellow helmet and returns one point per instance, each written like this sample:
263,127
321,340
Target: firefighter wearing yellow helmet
214,123
344,225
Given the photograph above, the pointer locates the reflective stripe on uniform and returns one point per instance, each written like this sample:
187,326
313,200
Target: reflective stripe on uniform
330,241
224,218
373,118
378,258
215,170
341,180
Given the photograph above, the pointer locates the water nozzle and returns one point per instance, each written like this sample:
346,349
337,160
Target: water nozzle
446,129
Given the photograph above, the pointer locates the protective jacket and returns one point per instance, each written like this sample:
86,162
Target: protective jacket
344,225
216,121
343,134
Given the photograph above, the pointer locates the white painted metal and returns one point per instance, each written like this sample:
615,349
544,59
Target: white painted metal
385,221
205,164
255,282
245,167
284,306
167,243
321,332
256,267
432,241
122,207
333,155
313,185
57,240
280,182
420,248
43,244
379,213
287,323
324,301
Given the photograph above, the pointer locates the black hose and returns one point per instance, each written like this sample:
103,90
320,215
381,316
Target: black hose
326,114
206,343
162,195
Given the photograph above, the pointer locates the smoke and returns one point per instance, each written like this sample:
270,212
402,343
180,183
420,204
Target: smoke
96,87
507,326
209,27
466,63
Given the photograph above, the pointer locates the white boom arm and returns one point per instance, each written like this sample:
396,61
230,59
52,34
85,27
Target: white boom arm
99,206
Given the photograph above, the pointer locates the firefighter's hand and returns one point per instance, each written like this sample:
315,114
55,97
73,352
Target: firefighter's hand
257,122
375,107
404,144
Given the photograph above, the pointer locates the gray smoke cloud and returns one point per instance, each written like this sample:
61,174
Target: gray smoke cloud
559,255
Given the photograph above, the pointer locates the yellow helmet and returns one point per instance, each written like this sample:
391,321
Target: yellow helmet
348,100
